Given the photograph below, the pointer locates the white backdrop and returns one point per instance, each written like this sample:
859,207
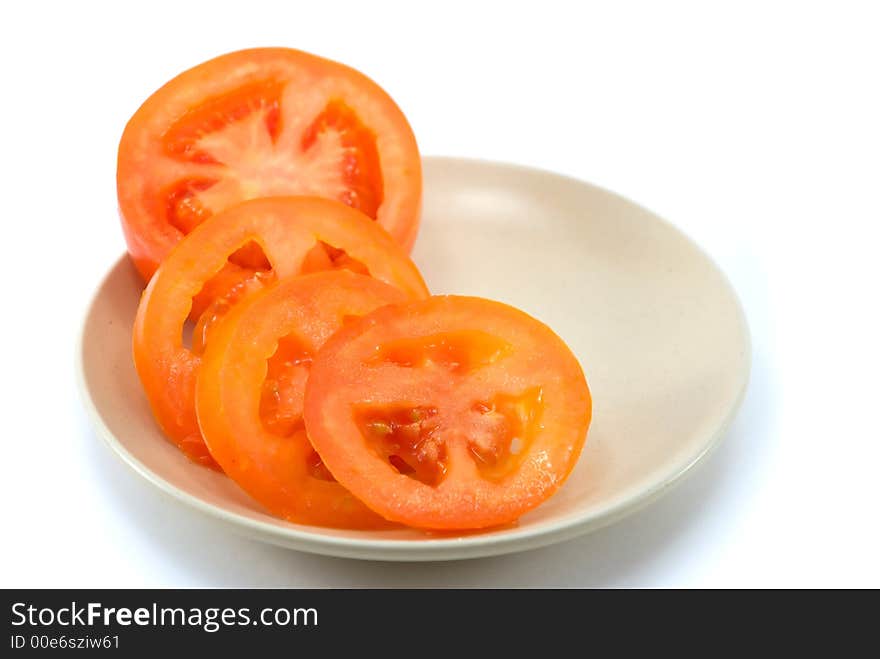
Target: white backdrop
753,127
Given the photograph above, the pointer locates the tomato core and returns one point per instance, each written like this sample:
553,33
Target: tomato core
333,156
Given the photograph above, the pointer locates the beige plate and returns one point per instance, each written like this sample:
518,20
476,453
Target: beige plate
657,328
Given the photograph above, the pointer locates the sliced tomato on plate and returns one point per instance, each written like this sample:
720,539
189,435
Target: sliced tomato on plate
448,413
289,231
250,386
259,123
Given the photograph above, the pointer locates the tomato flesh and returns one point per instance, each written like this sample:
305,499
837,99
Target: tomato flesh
288,230
334,157
250,392
263,123
449,412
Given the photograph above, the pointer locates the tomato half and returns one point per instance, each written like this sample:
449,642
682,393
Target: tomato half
288,230
448,413
259,123
249,394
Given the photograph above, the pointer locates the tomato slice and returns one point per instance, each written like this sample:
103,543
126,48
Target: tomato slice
259,123
249,394
448,413
288,230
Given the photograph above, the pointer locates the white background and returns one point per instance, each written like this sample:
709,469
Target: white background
755,128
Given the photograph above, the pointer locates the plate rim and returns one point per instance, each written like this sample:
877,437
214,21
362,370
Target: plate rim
434,549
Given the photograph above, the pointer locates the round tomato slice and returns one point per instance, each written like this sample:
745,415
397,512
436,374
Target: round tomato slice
448,413
288,230
259,123
249,394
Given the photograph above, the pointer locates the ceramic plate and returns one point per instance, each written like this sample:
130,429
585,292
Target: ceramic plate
658,330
